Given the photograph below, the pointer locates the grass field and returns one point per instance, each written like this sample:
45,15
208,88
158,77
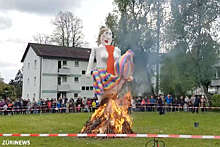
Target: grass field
144,122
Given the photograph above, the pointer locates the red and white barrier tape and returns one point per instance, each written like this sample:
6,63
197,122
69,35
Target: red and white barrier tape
115,135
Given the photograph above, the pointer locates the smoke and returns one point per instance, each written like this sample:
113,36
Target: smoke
141,41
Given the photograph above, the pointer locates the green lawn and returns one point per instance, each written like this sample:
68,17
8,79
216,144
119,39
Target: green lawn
144,122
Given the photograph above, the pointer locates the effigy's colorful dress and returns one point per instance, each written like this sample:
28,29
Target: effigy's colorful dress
107,79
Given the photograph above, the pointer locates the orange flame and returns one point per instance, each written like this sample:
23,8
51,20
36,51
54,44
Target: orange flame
112,117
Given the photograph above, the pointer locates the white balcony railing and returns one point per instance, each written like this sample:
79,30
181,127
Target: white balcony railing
64,87
64,71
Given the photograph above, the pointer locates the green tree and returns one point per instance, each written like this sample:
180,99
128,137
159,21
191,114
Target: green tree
174,77
190,35
17,84
6,90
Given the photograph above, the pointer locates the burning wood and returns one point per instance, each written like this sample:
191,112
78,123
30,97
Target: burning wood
111,117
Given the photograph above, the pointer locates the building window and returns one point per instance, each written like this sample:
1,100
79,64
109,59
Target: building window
83,72
217,73
59,64
91,87
87,87
64,62
59,80
64,79
35,64
76,63
83,88
35,79
34,95
75,94
76,79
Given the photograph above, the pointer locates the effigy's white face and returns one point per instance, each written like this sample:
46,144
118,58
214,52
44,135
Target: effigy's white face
106,38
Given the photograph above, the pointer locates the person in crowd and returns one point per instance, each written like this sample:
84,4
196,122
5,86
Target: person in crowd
160,102
93,106
133,105
196,104
5,109
89,103
28,106
84,101
143,105
203,103
152,103
180,103
67,106
10,105
192,99
97,103
169,101
191,102
148,105
186,101
49,105
174,105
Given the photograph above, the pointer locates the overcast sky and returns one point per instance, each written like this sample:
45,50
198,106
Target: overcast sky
21,19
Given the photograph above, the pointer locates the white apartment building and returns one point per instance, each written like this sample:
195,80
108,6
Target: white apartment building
51,71
215,83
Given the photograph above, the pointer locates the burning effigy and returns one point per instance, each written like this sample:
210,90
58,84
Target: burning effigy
111,77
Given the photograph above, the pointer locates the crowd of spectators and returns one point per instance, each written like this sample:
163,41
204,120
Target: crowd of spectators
64,105
169,103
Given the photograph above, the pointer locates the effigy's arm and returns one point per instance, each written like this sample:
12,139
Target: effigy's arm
118,52
91,62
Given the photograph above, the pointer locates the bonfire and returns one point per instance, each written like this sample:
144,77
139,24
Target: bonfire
111,117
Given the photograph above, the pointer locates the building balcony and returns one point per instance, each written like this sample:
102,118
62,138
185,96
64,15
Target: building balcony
64,87
215,83
64,71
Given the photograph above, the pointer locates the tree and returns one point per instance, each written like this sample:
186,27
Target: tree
159,13
6,90
189,34
42,38
1,79
68,30
174,77
17,83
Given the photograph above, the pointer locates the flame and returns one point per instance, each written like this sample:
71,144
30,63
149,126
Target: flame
112,117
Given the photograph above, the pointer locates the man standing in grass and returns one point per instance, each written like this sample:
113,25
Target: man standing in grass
161,105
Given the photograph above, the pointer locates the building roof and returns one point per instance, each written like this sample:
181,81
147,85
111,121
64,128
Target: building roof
56,52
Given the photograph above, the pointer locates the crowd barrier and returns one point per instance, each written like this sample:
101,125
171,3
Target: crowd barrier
75,108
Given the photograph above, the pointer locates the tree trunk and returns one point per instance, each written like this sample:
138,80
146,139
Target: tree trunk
207,95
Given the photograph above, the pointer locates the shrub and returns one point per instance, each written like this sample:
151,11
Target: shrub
215,101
